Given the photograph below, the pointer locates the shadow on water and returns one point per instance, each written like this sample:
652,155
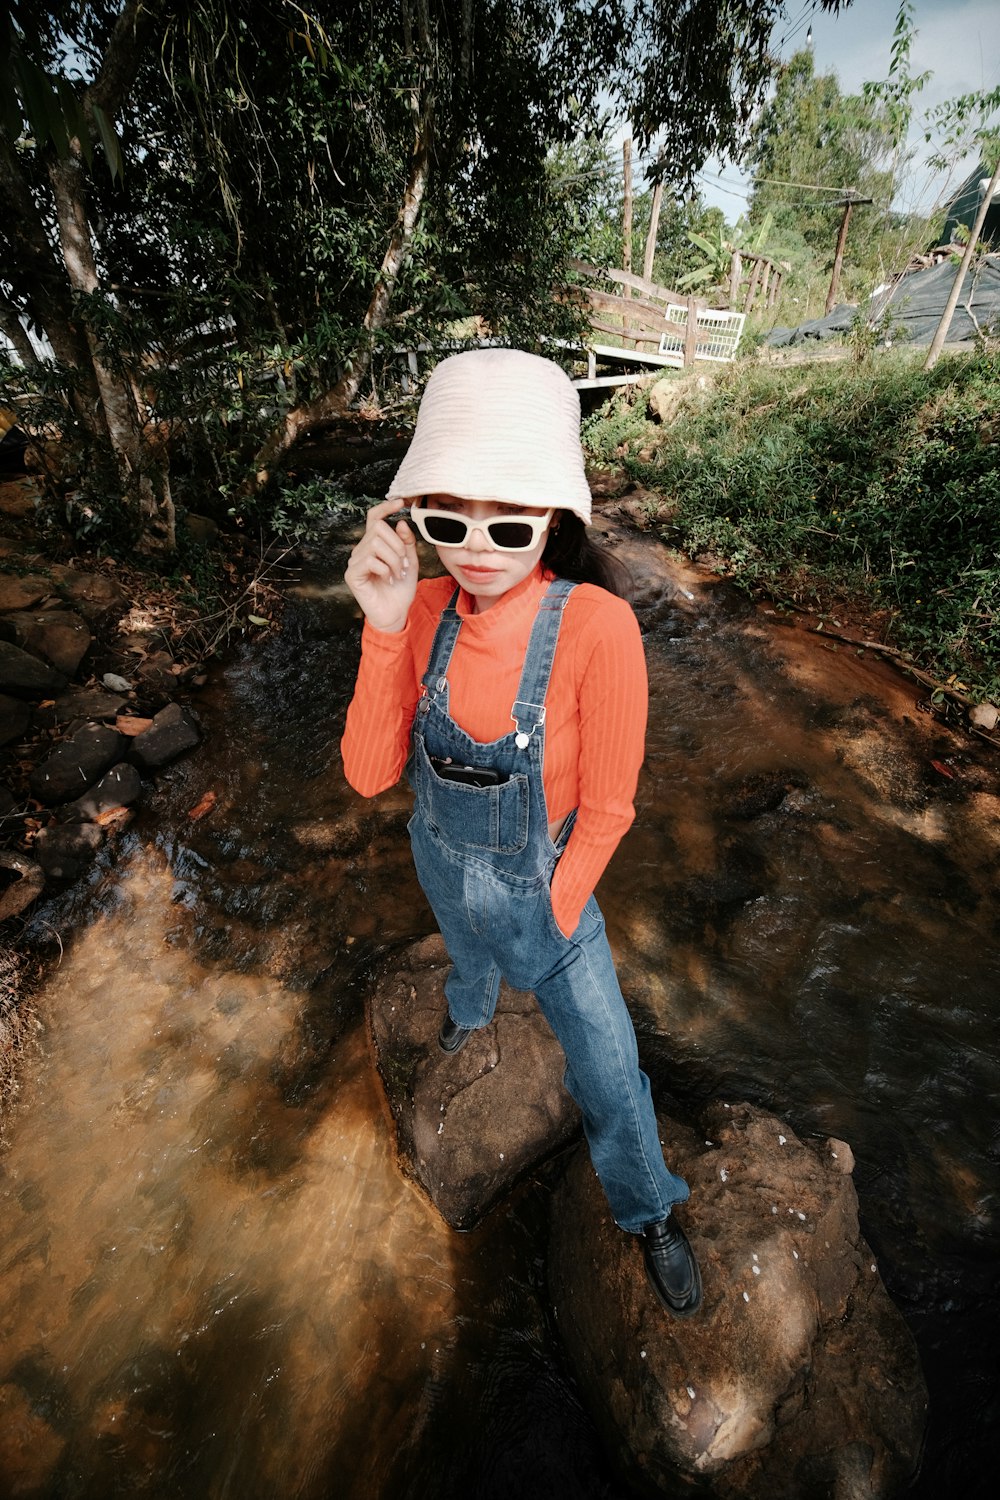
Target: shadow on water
213,1280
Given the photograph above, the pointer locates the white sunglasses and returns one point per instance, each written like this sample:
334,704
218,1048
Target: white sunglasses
445,528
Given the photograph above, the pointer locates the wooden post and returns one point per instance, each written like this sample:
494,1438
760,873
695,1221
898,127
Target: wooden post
751,287
735,277
691,332
627,219
775,288
654,225
765,281
941,332
838,259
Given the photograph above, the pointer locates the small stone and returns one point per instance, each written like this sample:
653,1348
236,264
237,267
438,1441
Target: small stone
984,716
116,683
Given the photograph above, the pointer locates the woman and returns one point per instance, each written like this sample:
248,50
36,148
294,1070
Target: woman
517,702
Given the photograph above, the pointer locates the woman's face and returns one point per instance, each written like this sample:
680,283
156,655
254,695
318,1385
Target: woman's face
482,569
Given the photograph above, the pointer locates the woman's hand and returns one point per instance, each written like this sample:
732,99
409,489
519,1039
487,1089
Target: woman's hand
382,571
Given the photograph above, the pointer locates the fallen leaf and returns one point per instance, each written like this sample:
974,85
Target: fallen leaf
258,620
111,815
203,806
942,769
132,725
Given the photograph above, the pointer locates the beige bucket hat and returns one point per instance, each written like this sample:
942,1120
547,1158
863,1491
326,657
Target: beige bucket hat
498,424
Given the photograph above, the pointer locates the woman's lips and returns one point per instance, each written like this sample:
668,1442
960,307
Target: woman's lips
471,571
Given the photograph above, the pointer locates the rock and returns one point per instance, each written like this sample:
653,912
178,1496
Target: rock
120,787
14,717
76,764
467,1126
21,881
202,528
115,683
156,670
984,716
86,703
22,593
60,637
92,594
172,732
24,675
65,851
8,801
798,1377
664,398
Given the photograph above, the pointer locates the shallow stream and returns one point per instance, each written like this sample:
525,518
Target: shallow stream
214,1281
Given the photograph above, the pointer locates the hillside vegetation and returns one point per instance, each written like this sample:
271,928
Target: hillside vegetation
872,487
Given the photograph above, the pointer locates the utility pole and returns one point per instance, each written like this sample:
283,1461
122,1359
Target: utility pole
847,203
627,221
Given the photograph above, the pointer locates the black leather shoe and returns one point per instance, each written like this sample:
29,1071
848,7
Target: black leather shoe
452,1038
671,1267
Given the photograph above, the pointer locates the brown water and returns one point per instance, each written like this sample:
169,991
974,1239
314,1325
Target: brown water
213,1281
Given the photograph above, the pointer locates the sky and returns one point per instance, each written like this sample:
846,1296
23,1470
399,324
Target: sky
958,40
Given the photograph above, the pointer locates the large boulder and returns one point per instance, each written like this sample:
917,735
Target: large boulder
468,1126
24,676
76,763
798,1376
58,636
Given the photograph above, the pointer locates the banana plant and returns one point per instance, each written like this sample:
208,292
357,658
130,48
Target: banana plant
720,253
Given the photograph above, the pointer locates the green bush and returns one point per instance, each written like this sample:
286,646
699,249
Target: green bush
874,481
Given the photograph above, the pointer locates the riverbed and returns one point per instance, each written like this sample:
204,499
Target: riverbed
214,1280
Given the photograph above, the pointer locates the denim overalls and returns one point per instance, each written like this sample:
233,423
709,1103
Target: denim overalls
485,861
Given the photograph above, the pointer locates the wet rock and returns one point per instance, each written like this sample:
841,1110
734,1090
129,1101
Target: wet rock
467,1126
94,595
119,788
21,880
22,593
76,764
60,637
24,675
798,1377
65,851
14,716
172,732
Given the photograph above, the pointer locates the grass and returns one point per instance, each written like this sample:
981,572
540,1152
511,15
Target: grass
872,483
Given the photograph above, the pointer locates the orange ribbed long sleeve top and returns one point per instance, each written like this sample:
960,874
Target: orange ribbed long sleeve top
595,723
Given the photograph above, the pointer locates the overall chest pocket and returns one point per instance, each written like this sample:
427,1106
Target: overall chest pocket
487,819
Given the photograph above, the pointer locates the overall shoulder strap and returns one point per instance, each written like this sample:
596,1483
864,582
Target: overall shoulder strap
442,646
528,712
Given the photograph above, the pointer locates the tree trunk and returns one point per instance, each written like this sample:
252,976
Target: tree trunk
143,473
16,334
335,403
941,332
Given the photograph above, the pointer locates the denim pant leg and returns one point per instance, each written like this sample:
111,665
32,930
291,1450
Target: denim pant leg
473,983
582,1002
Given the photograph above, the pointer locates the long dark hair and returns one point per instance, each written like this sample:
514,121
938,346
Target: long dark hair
570,553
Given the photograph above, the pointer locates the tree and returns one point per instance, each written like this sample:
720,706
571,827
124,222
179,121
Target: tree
291,187
809,138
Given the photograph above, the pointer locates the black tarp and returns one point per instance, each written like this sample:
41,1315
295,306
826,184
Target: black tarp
912,310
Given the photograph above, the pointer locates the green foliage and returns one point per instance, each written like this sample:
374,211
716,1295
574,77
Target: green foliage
877,482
